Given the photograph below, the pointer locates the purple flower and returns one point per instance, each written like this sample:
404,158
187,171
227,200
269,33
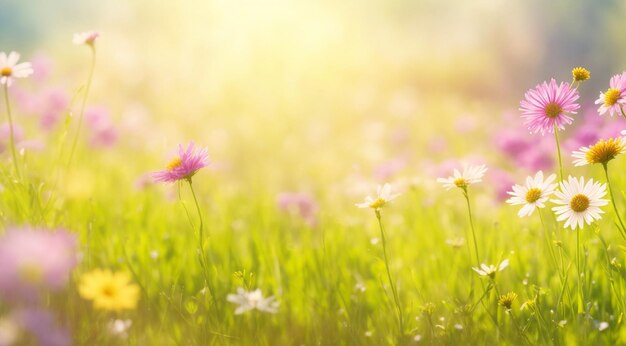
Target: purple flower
546,107
42,326
35,260
301,204
184,166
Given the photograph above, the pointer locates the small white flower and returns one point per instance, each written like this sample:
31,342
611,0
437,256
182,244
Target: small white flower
88,38
10,69
579,203
119,327
533,194
603,325
383,196
491,270
471,175
252,300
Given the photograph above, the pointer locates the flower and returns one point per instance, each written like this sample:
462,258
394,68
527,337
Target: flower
252,300
546,106
88,38
119,327
42,326
580,74
491,270
301,204
108,290
10,69
506,300
470,175
579,202
533,194
612,99
184,166
35,260
383,196
601,152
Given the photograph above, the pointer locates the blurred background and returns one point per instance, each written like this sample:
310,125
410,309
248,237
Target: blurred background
291,92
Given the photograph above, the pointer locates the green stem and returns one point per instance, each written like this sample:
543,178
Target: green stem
471,221
558,151
580,292
195,200
11,134
608,182
83,104
622,111
393,287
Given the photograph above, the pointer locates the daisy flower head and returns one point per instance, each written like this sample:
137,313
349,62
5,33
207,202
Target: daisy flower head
87,37
10,69
579,202
383,196
614,97
491,270
601,152
247,301
183,166
533,194
470,175
547,106
580,74
108,290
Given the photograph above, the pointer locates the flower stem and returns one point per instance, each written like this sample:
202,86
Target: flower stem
11,133
83,104
580,292
622,111
608,182
558,151
471,221
201,229
393,287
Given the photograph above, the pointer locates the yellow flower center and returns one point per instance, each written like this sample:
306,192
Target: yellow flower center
533,195
175,163
378,203
31,273
580,74
460,182
6,72
553,110
579,203
611,96
604,151
109,291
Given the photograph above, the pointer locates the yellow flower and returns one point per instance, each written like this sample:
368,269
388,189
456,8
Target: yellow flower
580,74
108,290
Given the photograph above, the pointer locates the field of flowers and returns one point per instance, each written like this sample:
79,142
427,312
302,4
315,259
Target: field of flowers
310,174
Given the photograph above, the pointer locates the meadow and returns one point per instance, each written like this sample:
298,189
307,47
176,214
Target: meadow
324,203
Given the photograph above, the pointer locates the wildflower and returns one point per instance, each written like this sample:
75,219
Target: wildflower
579,202
252,300
506,300
35,260
547,106
383,196
301,204
10,69
471,175
42,326
108,290
614,97
580,74
491,270
603,325
533,195
88,38
601,152
184,166
119,327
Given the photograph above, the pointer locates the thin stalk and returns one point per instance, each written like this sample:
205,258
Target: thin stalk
11,134
393,287
580,292
471,221
608,182
558,151
622,111
83,104
201,229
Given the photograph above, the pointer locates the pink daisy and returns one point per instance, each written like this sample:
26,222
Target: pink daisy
614,97
184,166
547,106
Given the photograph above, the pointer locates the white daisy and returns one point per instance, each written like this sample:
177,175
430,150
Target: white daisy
88,38
601,152
470,175
579,202
383,196
491,270
252,300
10,69
533,195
